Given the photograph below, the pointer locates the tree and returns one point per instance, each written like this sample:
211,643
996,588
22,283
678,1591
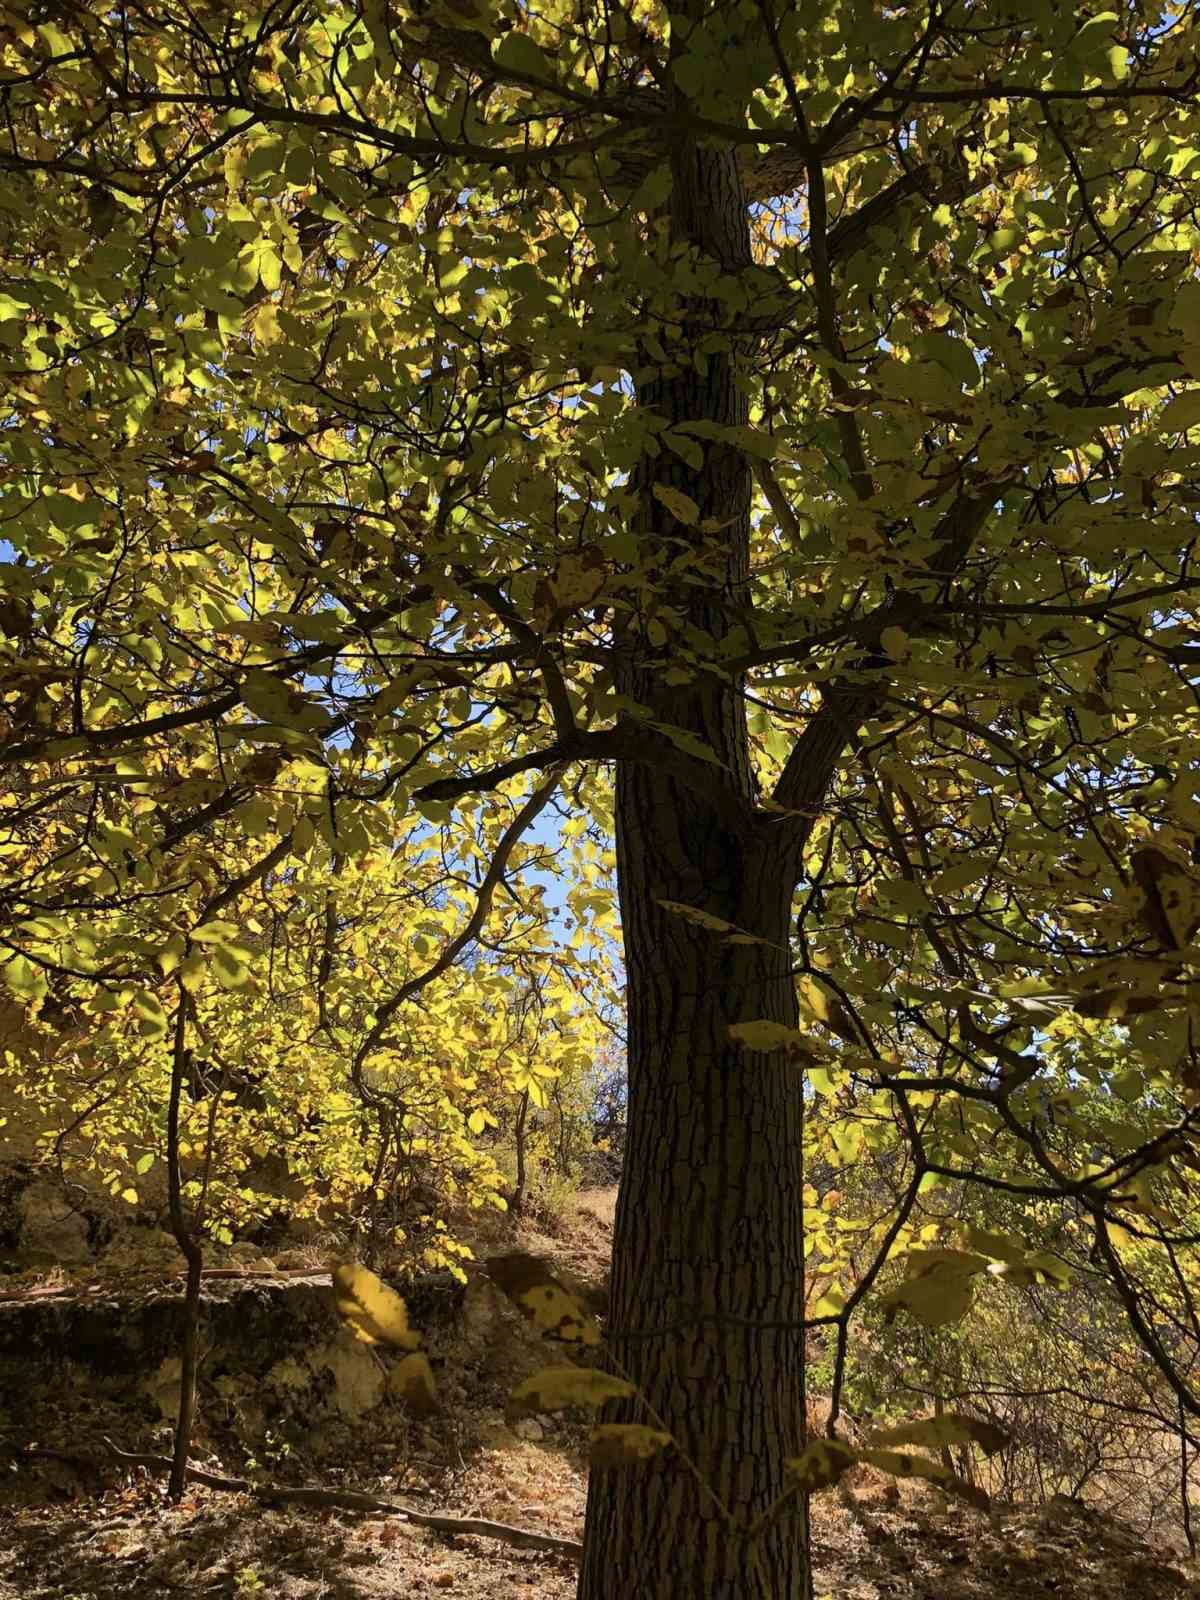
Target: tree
786,407
273,1118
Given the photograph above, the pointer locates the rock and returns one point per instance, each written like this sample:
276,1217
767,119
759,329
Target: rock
139,1249
529,1428
358,1376
276,1356
49,1225
286,1374
162,1387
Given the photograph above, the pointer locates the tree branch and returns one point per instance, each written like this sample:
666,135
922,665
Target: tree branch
334,1499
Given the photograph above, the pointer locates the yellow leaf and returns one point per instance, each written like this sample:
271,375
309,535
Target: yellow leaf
376,1313
821,1463
265,324
412,1381
826,1008
681,506
895,643
996,1245
619,1444
539,1296
899,1464
770,1036
579,578
705,919
830,1303
1034,1269
938,1289
555,1388
701,919
951,1428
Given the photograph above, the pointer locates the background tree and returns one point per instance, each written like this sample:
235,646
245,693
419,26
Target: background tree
788,406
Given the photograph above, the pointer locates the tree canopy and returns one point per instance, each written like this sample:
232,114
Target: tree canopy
415,413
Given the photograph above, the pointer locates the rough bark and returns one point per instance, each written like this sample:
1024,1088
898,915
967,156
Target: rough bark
708,1226
709,1229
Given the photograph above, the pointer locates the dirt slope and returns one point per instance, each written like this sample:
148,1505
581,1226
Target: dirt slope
73,1533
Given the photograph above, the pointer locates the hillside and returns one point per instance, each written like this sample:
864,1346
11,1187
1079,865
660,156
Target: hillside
74,1529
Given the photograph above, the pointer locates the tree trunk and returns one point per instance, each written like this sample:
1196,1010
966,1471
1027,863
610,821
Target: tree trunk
708,1256
709,1225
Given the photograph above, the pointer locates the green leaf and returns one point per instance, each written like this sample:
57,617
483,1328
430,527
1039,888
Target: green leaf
516,52
686,741
952,354
953,879
1180,413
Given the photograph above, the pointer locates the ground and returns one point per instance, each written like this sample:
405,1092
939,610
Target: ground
69,1532
126,1544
